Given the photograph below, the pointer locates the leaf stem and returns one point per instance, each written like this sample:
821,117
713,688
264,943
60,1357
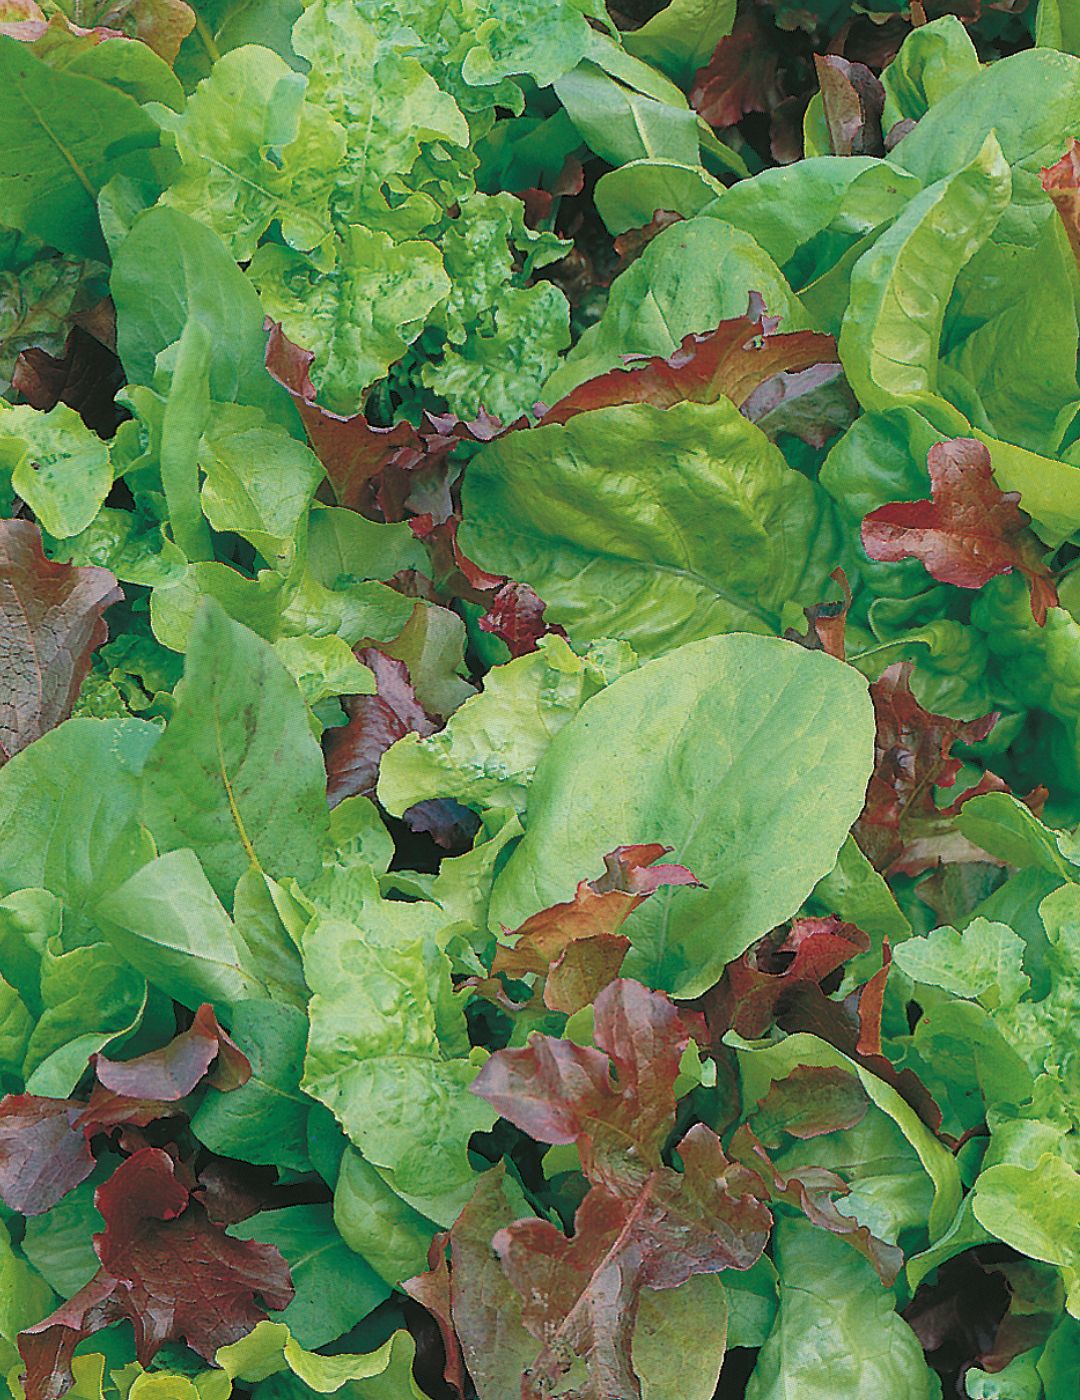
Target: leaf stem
186,412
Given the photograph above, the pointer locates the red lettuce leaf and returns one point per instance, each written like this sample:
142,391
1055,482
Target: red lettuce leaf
853,100
901,828
559,1092
826,623
485,1308
516,616
576,946
811,1101
354,752
642,1225
166,1268
743,74
85,376
733,361
747,997
970,531
811,1190
43,1152
580,1295
51,621
1061,182
45,1143
353,452
433,1291
173,1071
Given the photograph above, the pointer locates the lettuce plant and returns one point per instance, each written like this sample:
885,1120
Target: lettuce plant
540,700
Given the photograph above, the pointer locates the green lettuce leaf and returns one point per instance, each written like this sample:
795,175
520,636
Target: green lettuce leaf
387,1051
659,526
59,467
333,1285
265,1119
51,172
69,814
360,316
217,782
758,821
837,1331
253,151
522,707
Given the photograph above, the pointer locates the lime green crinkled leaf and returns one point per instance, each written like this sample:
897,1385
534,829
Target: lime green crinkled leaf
59,467
344,545
264,1120
474,48
323,667
334,1286
387,103
252,151
708,750
258,603
351,609
69,814
133,546
689,279
270,1349
1019,1380
503,370
659,526
359,317
15,1027
487,754
984,963
1036,1210
464,885
478,252
837,1331
217,782
387,1051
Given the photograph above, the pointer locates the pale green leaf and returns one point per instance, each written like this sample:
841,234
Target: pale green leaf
748,755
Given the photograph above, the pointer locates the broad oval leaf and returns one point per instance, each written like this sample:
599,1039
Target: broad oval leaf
748,755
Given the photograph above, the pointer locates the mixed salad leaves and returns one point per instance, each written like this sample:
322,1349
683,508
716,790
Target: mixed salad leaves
540,699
